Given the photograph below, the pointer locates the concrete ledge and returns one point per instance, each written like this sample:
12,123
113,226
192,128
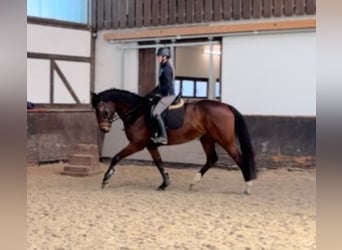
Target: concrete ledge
53,134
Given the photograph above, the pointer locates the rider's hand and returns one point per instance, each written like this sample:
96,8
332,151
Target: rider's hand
153,96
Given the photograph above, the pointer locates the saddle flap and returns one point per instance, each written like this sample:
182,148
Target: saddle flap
174,115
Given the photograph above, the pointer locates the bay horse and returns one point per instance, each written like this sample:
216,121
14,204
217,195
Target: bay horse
209,120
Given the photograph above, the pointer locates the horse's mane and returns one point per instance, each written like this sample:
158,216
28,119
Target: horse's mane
120,95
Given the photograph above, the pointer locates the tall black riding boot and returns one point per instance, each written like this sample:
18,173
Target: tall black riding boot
162,137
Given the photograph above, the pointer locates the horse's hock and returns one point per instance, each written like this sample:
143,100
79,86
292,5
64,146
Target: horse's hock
83,161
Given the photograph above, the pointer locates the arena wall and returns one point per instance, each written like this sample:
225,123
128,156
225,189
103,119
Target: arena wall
54,131
277,141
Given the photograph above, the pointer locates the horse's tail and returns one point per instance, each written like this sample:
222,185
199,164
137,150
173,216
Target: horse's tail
248,159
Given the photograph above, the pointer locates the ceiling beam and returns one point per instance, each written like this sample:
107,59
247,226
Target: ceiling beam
208,29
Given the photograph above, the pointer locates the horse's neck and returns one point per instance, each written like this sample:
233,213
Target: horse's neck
122,108
130,113
125,105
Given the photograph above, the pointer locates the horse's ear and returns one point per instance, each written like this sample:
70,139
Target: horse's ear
95,99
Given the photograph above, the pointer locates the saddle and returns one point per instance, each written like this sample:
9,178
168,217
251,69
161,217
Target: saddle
173,116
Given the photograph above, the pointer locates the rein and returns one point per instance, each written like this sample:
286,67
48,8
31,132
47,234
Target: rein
117,117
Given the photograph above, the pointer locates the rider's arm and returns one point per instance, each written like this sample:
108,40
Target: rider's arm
165,81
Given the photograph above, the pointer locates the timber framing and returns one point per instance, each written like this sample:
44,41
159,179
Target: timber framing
34,55
208,30
55,68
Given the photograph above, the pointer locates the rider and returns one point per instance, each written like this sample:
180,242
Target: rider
165,89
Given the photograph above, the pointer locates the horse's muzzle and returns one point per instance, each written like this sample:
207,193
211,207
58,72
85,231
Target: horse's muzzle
104,127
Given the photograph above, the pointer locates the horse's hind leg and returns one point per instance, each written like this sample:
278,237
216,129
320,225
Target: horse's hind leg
154,152
235,154
208,145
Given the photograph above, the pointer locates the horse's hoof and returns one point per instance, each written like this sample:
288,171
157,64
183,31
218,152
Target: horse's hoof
104,183
247,192
161,188
196,180
249,185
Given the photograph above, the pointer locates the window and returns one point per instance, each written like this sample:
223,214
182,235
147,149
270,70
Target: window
195,87
188,88
65,10
217,89
201,89
177,86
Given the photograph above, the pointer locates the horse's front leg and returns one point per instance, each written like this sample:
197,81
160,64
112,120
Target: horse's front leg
154,152
128,150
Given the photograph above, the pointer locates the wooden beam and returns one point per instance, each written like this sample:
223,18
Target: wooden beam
65,82
52,80
206,30
34,55
57,23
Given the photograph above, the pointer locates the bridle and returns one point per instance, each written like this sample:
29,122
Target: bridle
112,117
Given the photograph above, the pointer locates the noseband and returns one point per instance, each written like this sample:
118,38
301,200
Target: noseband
111,117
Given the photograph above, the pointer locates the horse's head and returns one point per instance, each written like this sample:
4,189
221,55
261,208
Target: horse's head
104,112
112,104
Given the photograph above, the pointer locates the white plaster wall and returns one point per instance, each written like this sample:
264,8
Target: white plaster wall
38,80
107,65
60,41
78,75
270,74
131,73
111,70
56,40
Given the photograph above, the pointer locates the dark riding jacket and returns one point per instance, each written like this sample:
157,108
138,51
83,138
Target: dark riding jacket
165,86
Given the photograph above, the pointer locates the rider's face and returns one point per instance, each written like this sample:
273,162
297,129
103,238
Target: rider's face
159,59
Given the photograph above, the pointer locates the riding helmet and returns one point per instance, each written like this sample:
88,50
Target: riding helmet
165,51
